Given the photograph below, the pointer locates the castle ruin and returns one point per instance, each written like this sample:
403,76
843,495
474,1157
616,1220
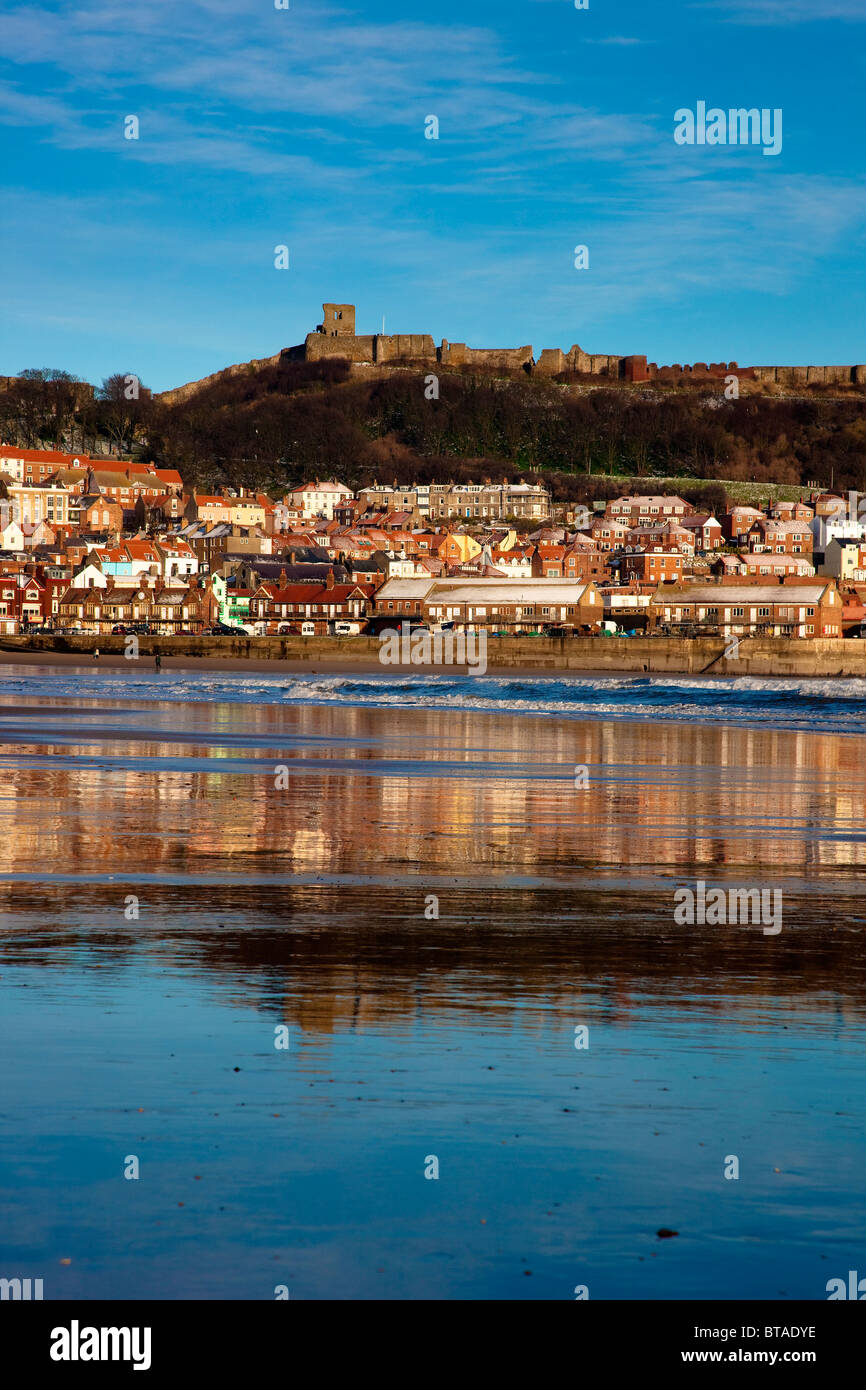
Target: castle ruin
335,336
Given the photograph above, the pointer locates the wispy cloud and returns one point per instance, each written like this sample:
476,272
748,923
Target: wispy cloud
619,41
785,12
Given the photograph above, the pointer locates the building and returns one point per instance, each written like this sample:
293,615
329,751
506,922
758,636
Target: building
318,498
651,566
40,502
751,610
512,605
653,507
845,560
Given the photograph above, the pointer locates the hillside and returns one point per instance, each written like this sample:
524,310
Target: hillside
271,423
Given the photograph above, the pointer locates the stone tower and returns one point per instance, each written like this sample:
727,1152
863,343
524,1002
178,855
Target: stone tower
338,321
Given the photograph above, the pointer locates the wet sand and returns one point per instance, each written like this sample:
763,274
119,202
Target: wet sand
314,666
430,907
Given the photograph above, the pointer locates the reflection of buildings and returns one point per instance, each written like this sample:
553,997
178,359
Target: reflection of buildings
308,902
420,793
334,958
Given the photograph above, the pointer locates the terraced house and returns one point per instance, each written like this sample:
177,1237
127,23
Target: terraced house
165,608
281,607
787,609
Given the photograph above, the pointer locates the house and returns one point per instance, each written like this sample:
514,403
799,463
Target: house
37,533
670,535
100,512
275,607
655,566
845,560
458,548
655,507
177,559
738,521
547,560
165,608
232,599
38,465
765,562
608,534
791,511
779,537
318,498
44,502
11,536
204,507
706,530
208,540
836,519
24,601
797,609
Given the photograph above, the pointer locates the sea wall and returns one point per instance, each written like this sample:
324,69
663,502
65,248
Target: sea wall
757,656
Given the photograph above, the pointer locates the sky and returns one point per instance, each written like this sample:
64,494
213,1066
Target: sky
305,127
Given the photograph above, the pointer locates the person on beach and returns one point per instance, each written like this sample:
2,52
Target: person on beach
158,662
95,653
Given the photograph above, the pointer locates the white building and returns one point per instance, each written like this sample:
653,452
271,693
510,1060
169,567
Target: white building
318,498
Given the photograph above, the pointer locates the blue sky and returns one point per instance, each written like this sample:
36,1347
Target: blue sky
305,127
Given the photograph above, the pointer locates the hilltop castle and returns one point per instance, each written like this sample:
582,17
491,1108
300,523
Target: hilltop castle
335,336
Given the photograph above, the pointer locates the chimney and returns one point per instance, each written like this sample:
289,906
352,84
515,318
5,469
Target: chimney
329,583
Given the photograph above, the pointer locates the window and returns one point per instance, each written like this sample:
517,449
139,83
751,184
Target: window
810,612
738,612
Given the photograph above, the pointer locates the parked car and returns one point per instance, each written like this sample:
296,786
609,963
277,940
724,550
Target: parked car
343,628
221,630
119,627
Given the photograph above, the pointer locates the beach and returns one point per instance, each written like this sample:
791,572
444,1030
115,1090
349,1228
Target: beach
430,897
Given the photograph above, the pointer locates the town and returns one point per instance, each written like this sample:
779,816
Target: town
100,546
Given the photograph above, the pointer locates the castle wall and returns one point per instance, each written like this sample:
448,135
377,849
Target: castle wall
391,346
699,371
458,355
354,347
550,362
807,376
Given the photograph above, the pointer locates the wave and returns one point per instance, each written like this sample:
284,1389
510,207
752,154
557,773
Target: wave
808,704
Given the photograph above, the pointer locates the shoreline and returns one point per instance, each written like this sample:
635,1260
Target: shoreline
520,657
291,667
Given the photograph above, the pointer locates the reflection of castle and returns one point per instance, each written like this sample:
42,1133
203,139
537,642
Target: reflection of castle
336,337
